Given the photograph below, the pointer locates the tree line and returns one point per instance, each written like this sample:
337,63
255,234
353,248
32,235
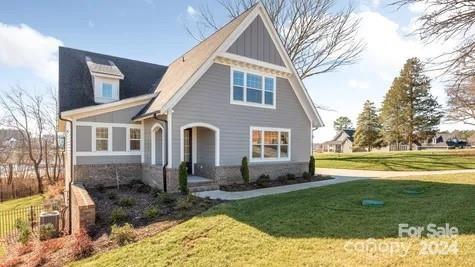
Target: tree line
409,112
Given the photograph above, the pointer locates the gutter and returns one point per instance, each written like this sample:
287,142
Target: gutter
164,168
71,171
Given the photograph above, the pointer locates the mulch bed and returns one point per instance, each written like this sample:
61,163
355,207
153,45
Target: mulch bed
172,209
272,183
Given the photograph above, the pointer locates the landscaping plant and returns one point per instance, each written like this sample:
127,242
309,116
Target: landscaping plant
47,231
24,230
263,180
306,176
123,235
183,178
245,170
150,212
126,202
118,215
82,246
311,166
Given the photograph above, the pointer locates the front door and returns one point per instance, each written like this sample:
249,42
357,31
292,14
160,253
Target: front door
188,150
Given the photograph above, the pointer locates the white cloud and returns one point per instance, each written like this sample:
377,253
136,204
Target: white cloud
191,11
24,47
358,84
375,3
417,7
91,24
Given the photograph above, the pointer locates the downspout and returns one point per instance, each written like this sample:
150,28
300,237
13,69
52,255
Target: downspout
164,168
71,170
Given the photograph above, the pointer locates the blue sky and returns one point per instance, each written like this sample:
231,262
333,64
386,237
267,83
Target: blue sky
154,31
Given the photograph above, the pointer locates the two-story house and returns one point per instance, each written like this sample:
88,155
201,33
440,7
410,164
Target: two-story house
235,94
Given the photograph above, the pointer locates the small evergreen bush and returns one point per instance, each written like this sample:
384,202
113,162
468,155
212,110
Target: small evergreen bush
165,198
126,202
24,230
118,215
306,176
47,231
245,170
123,235
311,166
183,178
290,176
150,213
185,203
263,180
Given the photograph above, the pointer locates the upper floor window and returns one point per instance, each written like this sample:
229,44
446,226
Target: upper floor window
252,89
106,90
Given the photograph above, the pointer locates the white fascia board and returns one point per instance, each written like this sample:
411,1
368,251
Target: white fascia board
105,108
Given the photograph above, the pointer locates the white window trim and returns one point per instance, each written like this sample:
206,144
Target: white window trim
109,151
262,159
252,104
130,139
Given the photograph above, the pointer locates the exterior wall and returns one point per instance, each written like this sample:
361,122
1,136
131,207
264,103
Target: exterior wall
119,135
205,146
208,101
83,208
232,174
148,124
93,174
347,147
255,42
83,138
153,175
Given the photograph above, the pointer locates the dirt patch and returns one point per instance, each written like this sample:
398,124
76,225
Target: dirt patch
265,183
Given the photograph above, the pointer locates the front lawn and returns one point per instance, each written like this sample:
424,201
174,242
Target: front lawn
312,227
399,161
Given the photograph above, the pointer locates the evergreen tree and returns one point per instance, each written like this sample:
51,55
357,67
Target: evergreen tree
342,123
368,128
409,111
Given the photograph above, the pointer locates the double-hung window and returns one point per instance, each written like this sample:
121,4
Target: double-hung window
134,139
102,139
106,90
269,144
252,89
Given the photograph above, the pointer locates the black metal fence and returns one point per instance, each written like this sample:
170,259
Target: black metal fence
30,215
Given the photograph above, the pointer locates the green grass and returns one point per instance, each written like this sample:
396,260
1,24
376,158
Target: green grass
311,227
399,161
16,204
21,202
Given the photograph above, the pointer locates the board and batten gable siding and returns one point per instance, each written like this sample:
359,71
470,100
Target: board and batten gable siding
208,101
119,137
255,42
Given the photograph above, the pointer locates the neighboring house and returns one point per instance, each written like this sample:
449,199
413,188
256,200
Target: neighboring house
236,94
444,141
341,143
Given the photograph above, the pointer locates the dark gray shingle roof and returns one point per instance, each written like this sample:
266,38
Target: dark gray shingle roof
75,83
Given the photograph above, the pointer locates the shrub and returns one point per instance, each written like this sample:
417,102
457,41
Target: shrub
126,202
183,178
306,176
263,180
47,231
155,192
185,203
311,166
290,176
118,215
123,235
143,188
100,188
111,195
282,179
166,198
245,170
82,246
24,230
150,212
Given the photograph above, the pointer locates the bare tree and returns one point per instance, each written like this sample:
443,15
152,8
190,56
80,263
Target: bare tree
445,20
25,113
53,170
317,39
461,102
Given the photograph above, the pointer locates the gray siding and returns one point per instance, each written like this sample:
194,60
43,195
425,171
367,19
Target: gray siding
209,101
148,124
158,147
255,42
84,139
118,116
205,143
119,138
83,160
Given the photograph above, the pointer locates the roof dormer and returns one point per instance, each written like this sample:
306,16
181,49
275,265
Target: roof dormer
106,78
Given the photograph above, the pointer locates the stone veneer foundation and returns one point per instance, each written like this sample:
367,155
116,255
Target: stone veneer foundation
105,174
91,175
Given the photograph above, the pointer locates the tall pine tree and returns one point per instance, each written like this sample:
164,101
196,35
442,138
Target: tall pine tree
368,129
409,111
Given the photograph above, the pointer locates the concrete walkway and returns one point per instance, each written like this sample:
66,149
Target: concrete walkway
340,175
224,195
383,174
